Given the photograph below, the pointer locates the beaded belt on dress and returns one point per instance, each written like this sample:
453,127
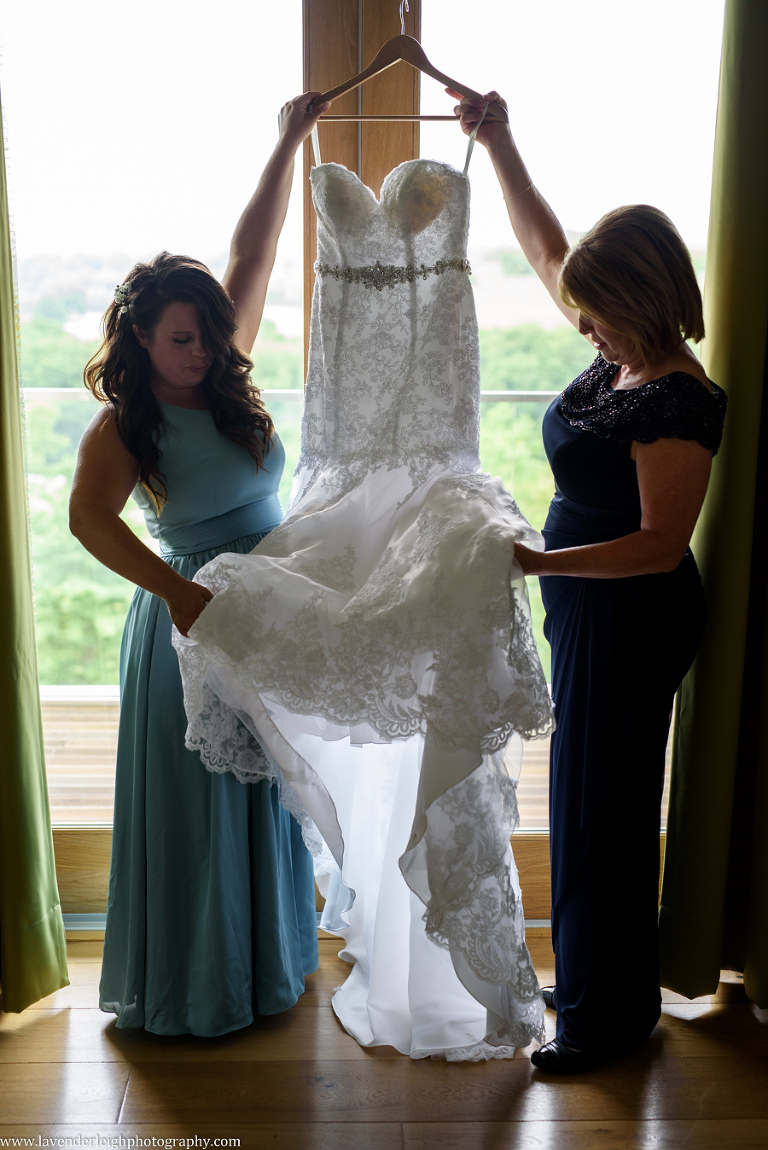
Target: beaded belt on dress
387,275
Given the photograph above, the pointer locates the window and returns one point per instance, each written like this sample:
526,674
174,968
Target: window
106,167
144,134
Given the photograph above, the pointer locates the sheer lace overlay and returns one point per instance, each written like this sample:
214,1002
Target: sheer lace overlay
374,652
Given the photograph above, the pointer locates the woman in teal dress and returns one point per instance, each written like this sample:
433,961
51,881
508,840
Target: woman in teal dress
211,914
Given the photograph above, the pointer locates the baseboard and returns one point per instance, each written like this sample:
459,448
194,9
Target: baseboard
83,853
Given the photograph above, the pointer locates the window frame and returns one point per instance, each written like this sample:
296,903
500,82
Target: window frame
338,37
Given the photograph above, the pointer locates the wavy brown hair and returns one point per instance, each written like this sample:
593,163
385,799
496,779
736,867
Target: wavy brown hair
633,273
119,372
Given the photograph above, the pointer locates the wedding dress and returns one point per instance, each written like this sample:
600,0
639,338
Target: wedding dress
374,653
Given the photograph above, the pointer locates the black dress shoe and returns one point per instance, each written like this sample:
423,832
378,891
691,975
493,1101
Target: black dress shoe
556,1058
548,994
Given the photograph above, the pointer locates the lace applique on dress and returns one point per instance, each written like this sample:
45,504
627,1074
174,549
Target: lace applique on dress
375,649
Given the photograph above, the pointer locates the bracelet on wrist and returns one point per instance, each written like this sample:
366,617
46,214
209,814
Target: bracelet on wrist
522,192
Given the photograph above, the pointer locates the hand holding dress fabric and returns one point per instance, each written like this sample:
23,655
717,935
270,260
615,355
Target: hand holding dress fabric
185,606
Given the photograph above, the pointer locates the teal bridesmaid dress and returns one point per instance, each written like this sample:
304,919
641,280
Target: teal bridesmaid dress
211,911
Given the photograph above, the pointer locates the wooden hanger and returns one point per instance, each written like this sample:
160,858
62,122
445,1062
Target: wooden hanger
405,48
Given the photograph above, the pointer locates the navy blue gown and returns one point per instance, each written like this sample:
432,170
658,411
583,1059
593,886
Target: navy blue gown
620,648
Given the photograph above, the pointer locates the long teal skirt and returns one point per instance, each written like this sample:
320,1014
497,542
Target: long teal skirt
211,911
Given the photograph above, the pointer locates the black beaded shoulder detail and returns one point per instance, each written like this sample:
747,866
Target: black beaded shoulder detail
675,406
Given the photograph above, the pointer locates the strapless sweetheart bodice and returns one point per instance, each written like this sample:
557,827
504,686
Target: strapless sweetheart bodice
393,374
422,215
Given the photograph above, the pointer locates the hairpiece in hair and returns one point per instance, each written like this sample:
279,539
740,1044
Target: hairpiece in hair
122,291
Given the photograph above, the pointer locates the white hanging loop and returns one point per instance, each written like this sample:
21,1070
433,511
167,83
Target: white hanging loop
316,146
472,138
403,5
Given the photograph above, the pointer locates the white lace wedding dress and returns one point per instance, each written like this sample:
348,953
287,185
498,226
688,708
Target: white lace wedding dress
374,652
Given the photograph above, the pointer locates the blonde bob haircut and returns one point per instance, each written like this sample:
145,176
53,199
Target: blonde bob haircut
632,273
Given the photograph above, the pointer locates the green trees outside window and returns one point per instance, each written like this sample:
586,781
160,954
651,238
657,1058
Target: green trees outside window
80,606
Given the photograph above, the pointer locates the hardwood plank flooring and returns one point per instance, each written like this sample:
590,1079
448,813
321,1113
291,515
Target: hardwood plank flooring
745,1134
299,1081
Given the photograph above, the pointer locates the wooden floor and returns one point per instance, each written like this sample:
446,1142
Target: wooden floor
298,1082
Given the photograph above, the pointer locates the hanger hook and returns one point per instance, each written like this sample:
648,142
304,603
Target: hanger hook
403,5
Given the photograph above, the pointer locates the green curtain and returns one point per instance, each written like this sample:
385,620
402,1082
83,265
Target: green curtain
714,905
32,946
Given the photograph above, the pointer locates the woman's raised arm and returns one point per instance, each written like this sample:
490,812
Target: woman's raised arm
535,225
254,243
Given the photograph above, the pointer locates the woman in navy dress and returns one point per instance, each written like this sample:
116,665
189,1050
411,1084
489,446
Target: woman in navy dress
211,913
630,443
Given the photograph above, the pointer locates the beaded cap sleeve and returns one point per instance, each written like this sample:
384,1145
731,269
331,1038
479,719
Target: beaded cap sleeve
675,406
